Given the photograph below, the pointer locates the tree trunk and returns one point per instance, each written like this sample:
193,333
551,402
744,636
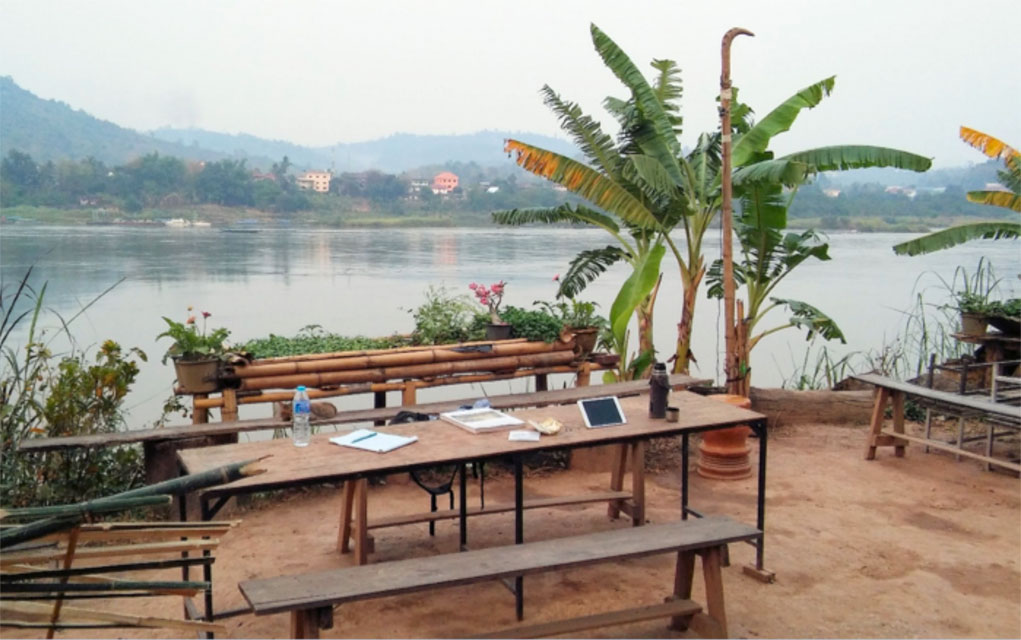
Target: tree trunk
682,355
785,406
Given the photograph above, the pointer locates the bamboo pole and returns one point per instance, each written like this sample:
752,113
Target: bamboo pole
730,362
88,508
369,352
38,611
436,369
405,358
206,544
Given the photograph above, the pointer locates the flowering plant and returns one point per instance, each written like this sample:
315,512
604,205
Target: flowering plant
190,343
490,297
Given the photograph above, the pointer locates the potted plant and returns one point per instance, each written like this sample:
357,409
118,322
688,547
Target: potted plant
974,308
491,297
197,355
581,324
1005,315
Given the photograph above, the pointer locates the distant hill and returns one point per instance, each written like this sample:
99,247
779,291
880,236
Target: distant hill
52,130
968,178
394,154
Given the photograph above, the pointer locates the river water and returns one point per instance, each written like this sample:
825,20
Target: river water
367,281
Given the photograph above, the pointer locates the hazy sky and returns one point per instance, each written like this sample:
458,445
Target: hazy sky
909,73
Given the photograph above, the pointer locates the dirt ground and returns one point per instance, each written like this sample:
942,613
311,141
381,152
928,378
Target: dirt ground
920,546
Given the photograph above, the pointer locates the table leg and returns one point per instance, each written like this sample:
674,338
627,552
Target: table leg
684,476
463,504
758,570
898,423
711,571
519,533
638,483
617,479
344,537
361,521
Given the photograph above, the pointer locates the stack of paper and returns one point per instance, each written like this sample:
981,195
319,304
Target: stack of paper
481,420
370,440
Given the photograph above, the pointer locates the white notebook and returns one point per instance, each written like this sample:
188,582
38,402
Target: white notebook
370,440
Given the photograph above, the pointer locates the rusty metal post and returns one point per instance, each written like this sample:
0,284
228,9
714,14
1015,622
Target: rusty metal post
732,362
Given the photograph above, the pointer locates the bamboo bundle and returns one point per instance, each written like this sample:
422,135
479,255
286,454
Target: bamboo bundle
436,369
369,352
36,556
395,358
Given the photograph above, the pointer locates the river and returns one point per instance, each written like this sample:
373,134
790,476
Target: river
367,281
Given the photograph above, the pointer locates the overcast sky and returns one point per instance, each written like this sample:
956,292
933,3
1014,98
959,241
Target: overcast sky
909,73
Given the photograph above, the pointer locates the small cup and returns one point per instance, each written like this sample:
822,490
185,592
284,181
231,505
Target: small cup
673,414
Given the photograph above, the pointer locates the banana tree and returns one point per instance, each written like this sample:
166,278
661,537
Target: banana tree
1011,199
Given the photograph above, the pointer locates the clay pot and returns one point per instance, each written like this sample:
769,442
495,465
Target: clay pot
198,376
724,453
973,324
584,341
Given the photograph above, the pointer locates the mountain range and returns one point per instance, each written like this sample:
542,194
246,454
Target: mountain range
50,130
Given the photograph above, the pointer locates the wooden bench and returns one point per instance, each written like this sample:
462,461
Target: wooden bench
310,597
893,393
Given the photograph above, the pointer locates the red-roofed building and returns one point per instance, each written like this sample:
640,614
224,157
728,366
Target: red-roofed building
444,182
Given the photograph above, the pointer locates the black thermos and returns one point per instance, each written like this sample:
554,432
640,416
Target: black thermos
659,389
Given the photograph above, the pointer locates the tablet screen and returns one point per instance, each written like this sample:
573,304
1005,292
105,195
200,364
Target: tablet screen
601,412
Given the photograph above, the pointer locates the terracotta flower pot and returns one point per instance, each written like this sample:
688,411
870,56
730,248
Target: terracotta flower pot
498,331
724,453
198,376
584,340
973,324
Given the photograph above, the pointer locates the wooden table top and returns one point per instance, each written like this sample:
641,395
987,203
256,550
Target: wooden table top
440,442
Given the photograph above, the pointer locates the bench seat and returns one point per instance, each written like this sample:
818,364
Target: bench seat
310,597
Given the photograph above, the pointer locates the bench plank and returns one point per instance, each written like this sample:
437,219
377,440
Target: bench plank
968,402
327,588
952,448
609,619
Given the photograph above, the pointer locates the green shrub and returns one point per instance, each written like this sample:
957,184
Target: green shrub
444,318
532,324
314,339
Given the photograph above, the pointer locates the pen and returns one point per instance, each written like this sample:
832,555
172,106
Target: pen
374,433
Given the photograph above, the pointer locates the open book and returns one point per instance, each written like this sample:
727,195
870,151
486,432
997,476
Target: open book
481,420
370,440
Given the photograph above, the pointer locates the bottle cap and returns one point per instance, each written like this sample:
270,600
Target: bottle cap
301,387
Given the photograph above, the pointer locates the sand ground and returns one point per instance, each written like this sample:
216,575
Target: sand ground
920,546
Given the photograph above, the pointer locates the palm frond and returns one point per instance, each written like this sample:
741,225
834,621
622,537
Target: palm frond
780,171
669,89
565,213
815,321
779,120
586,132
578,178
650,176
843,157
586,267
958,235
1004,199
987,144
658,139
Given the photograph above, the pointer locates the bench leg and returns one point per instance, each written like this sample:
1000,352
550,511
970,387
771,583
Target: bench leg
617,479
683,576
880,397
361,521
306,623
898,423
712,561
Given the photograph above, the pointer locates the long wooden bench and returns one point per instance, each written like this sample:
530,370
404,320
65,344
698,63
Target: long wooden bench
890,392
310,597
161,445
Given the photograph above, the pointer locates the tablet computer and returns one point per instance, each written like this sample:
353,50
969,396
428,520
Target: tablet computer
601,412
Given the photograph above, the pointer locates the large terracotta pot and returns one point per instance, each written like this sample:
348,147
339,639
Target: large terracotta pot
974,324
724,453
198,376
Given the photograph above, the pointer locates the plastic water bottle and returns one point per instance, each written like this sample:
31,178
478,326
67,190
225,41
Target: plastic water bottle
659,385
300,414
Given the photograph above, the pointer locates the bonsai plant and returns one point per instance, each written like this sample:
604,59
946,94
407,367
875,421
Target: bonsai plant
581,324
197,355
491,297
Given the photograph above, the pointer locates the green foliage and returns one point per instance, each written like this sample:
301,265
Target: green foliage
43,394
532,324
1010,308
192,344
575,314
445,317
314,339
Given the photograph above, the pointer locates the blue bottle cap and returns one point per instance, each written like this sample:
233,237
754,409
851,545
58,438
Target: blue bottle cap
301,387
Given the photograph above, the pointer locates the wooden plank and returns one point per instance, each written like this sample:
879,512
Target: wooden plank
40,611
503,402
11,557
609,619
439,444
325,588
712,561
966,402
170,533
943,446
534,503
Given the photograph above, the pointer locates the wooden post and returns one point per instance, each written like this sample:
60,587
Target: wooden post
229,411
684,574
711,571
379,402
199,415
408,394
732,360
584,374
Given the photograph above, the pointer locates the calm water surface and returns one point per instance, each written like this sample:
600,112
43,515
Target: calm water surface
367,281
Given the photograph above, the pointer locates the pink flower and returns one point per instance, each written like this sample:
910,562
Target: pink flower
190,320
473,286
556,278
206,314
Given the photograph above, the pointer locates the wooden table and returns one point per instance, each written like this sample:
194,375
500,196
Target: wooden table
442,443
